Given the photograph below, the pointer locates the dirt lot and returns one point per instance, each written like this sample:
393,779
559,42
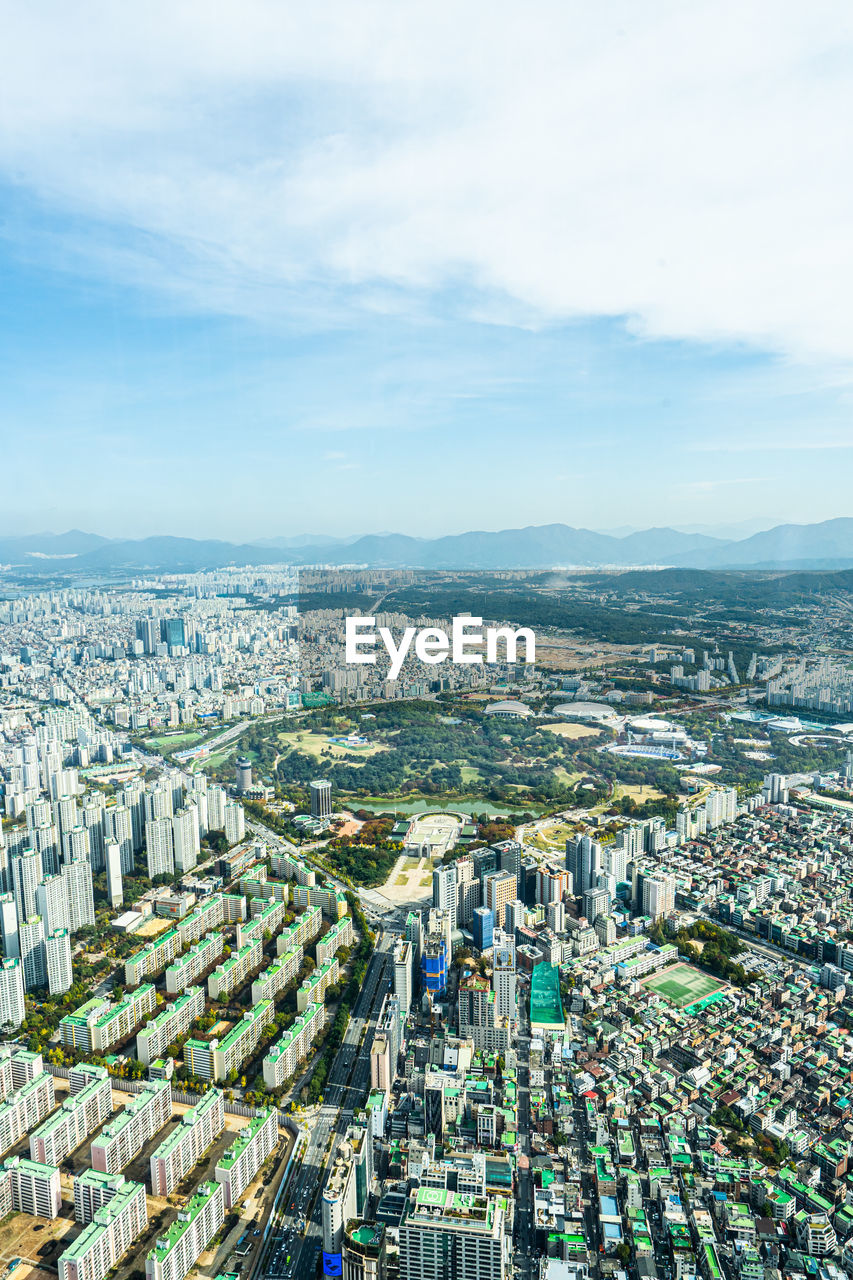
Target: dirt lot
36,1240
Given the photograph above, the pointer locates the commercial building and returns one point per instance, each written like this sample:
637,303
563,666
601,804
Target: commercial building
448,1236
197,1223
238,1166
214,1059
188,968
347,1188
185,1146
321,798
112,1228
286,1054
88,1105
98,1024
124,1137
364,1254
173,1021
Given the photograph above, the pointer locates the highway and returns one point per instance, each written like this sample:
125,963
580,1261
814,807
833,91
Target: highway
290,1252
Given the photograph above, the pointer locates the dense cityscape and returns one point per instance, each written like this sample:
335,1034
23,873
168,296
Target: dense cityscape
571,999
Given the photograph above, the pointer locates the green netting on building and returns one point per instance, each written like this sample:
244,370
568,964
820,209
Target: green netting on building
546,1007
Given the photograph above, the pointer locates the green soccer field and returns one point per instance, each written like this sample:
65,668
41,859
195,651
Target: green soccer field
681,984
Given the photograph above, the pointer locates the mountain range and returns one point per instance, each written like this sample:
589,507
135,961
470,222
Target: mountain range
826,545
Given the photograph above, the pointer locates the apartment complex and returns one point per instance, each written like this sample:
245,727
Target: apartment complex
188,1236
214,1059
286,1054
173,1021
340,935
317,983
124,1137
199,1127
98,1023
272,980
187,969
231,973
268,919
112,1228
301,931
22,1111
150,959
244,1157
80,1114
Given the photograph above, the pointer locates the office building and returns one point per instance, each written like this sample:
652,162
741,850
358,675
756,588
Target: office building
504,975
364,1254
321,798
584,863
243,775
595,902
483,928
403,973
445,1235
444,891
499,888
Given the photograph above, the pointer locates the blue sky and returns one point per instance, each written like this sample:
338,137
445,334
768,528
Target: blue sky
427,272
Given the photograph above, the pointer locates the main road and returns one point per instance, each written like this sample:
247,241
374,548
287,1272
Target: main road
297,1234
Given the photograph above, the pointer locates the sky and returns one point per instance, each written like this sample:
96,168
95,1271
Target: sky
269,269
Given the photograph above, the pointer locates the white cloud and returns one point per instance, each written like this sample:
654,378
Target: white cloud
684,165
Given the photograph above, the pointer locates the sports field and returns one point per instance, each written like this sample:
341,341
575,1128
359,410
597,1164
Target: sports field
683,985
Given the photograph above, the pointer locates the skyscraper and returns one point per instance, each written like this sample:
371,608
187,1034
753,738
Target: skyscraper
12,1007
33,959
114,885
58,956
444,891
583,860
159,847
186,838
321,798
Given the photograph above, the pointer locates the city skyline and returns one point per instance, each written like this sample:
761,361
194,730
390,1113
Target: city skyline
264,272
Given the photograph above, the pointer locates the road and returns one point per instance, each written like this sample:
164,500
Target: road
347,1089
